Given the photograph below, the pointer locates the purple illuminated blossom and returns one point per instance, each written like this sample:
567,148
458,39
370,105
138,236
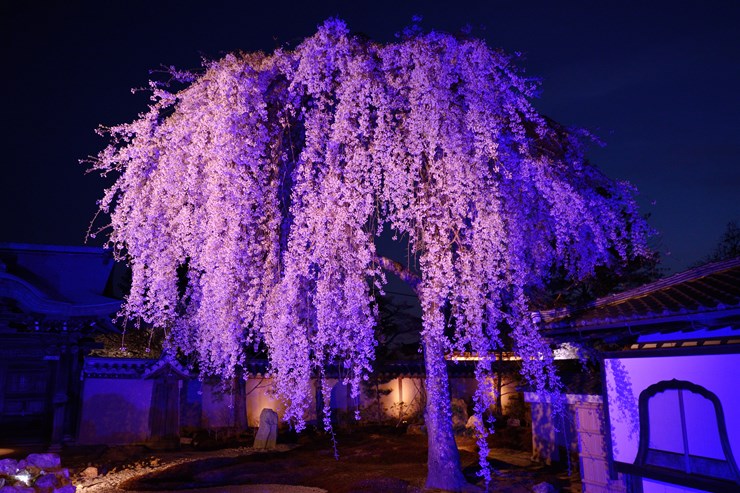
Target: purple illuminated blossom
271,175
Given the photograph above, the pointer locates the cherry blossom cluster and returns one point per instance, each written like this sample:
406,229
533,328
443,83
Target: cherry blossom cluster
247,205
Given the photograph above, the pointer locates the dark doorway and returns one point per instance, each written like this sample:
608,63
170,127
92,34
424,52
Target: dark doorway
164,414
25,402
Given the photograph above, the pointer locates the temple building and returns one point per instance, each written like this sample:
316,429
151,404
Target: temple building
53,300
659,414
665,417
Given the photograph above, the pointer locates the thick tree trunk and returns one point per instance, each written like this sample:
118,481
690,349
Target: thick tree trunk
500,383
443,462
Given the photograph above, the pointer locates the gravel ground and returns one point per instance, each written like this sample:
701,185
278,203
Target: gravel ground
110,481
369,463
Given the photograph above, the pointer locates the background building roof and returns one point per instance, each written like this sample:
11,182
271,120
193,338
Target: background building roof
706,297
56,282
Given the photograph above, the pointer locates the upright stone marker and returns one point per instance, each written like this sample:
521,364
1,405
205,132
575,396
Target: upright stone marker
267,433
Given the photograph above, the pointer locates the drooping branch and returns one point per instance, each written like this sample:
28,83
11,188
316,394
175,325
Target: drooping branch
262,174
399,270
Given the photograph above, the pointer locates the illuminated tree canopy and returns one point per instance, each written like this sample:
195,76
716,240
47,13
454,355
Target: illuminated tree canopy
267,179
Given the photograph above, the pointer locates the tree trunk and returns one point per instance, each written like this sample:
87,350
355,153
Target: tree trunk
443,462
319,396
499,383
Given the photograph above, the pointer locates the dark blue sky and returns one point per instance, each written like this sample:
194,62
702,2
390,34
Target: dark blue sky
658,81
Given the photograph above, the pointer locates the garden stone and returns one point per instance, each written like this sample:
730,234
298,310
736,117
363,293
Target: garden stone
46,483
44,461
416,429
474,422
267,433
17,489
543,488
459,414
8,466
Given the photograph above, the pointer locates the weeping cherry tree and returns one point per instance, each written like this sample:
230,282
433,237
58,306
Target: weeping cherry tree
247,205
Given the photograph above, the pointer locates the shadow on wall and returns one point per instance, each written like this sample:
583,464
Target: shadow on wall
553,435
223,405
543,441
623,411
110,418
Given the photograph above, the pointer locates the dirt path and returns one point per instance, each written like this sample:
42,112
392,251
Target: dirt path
368,463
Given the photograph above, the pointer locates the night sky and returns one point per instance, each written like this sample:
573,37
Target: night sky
658,82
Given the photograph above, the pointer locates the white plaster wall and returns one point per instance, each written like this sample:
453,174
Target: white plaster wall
550,433
217,407
406,398
654,486
259,396
191,412
406,390
115,411
464,388
626,378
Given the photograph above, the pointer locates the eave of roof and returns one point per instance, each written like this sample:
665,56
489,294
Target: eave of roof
77,275
706,297
32,300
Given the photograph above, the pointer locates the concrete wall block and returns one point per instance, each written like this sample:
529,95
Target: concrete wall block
594,471
594,488
588,418
611,487
591,445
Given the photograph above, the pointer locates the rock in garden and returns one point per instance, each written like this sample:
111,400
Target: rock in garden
543,488
473,423
89,472
44,461
17,489
267,433
459,413
8,466
46,483
416,429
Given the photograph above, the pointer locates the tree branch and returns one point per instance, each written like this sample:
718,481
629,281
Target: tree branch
402,272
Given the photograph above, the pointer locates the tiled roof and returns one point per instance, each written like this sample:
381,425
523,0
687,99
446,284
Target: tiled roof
689,343
704,297
47,282
131,368
96,367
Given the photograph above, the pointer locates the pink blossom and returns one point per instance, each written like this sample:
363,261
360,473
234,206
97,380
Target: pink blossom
271,176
